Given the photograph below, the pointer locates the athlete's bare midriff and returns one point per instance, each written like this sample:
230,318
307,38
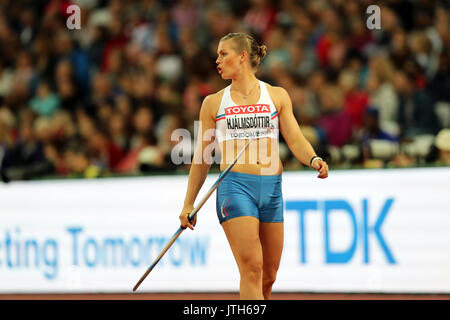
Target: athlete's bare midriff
260,158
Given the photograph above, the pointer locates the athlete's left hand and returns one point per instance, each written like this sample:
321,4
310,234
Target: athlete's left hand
322,167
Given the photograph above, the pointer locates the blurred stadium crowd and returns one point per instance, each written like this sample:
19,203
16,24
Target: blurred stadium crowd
105,99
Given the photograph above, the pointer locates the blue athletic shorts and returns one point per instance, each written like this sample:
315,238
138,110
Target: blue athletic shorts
242,194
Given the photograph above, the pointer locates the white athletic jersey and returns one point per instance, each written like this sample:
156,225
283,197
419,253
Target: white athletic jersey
235,121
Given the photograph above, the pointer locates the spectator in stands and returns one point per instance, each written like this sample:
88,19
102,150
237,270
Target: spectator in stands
371,131
7,123
143,125
383,97
91,88
416,114
355,100
442,144
333,119
382,93
302,59
45,102
118,130
279,55
439,85
399,52
6,76
103,152
260,18
23,80
26,158
78,164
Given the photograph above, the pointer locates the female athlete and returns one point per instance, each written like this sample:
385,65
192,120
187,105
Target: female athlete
249,201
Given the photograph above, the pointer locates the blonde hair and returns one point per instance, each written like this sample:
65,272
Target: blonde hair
243,41
383,68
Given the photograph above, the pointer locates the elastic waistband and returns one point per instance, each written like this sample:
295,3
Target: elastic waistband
253,177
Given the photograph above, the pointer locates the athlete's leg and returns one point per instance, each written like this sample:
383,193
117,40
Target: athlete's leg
243,236
271,236
271,232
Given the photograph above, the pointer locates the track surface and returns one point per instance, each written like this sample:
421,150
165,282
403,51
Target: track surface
223,296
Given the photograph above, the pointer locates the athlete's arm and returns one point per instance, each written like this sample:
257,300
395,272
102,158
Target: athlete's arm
300,147
199,167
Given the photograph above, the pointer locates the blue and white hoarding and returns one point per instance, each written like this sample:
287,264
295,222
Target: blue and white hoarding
357,231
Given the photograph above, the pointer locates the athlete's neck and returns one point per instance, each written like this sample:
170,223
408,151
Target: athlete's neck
244,83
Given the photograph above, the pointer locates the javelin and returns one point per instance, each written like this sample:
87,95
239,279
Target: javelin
192,215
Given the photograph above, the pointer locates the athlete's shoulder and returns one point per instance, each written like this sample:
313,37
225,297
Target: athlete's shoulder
214,98
278,94
276,90
211,103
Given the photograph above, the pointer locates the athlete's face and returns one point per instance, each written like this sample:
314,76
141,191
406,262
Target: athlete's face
228,60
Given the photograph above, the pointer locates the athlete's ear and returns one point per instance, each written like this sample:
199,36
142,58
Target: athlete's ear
244,55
